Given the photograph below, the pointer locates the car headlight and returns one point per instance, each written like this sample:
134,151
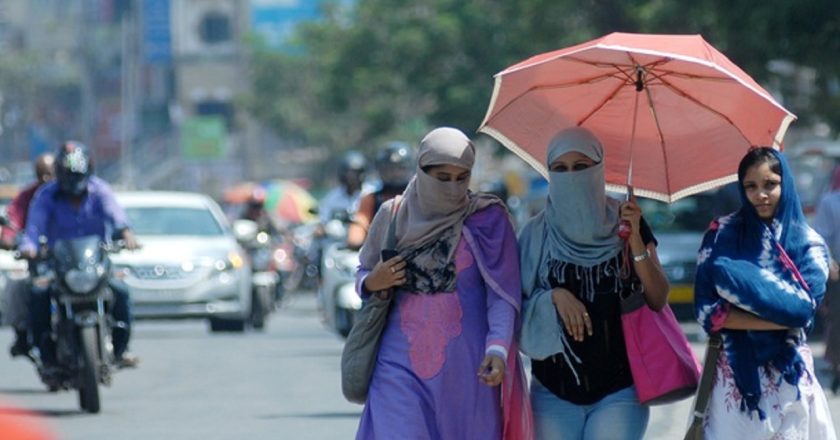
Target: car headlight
234,261
680,273
80,281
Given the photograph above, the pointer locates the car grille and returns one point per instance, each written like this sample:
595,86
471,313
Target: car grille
160,272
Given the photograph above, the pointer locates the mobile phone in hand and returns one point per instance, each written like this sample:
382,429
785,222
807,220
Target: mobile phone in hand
387,254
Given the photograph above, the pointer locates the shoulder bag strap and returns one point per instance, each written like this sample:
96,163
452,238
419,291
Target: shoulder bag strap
704,388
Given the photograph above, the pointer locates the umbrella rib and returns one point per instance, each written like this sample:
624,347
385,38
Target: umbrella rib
659,74
498,111
602,104
685,95
661,137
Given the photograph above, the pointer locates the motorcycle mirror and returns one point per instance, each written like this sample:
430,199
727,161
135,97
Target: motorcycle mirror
245,231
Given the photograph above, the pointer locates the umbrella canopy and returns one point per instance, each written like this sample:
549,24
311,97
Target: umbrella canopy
673,113
239,193
288,202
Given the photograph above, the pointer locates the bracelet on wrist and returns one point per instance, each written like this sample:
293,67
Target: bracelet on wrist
642,257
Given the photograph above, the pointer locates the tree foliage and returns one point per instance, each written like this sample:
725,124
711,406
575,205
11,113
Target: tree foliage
391,69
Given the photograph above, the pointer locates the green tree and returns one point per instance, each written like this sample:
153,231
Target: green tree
391,69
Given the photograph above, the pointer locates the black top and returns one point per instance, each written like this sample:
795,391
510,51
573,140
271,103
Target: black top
604,368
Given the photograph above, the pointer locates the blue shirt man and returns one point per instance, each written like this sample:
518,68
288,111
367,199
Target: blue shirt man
76,204
56,216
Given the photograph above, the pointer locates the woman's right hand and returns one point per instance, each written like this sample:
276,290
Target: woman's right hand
386,274
573,313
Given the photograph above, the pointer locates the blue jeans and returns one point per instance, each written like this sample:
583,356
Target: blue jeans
618,416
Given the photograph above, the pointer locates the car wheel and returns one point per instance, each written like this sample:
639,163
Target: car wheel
227,325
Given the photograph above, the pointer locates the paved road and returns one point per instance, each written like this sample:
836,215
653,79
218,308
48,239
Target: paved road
283,383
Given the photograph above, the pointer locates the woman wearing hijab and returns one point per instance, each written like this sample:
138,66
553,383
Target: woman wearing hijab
448,343
761,274
575,268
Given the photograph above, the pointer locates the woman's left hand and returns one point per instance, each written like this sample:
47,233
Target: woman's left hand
492,370
631,212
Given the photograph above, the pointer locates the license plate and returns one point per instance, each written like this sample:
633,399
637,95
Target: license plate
681,293
156,293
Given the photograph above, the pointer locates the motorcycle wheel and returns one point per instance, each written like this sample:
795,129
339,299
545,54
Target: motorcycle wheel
292,282
259,310
88,371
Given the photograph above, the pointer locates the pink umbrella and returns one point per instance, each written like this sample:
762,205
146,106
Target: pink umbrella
674,114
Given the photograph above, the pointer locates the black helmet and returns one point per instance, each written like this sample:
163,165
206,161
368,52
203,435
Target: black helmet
395,164
353,161
73,168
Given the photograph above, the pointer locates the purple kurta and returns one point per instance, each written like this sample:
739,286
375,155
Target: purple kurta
425,384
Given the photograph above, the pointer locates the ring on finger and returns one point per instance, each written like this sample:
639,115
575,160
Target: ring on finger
393,270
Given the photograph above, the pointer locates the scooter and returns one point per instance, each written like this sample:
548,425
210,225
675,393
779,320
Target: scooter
264,279
337,295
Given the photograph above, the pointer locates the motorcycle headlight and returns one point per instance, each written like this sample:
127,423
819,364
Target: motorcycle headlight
80,281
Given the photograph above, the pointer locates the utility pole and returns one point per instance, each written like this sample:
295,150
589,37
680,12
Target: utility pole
128,82
88,101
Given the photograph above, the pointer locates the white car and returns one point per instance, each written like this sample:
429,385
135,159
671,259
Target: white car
14,273
189,264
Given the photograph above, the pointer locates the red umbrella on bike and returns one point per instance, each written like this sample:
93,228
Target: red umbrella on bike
675,115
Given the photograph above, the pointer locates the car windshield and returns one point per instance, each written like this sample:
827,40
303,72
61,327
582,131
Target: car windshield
173,221
691,214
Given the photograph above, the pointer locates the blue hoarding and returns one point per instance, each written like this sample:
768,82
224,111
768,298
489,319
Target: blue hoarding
157,34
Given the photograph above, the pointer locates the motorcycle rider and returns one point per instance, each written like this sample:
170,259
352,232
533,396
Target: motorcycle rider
343,199
255,211
16,217
395,166
76,204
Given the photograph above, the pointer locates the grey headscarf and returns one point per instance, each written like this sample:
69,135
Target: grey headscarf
431,215
578,226
581,221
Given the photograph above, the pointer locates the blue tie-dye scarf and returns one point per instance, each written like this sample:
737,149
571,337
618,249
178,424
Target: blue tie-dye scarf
742,264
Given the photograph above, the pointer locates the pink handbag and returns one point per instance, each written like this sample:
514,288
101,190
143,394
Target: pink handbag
663,366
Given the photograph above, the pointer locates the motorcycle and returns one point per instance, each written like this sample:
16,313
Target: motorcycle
307,255
264,279
284,265
76,275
